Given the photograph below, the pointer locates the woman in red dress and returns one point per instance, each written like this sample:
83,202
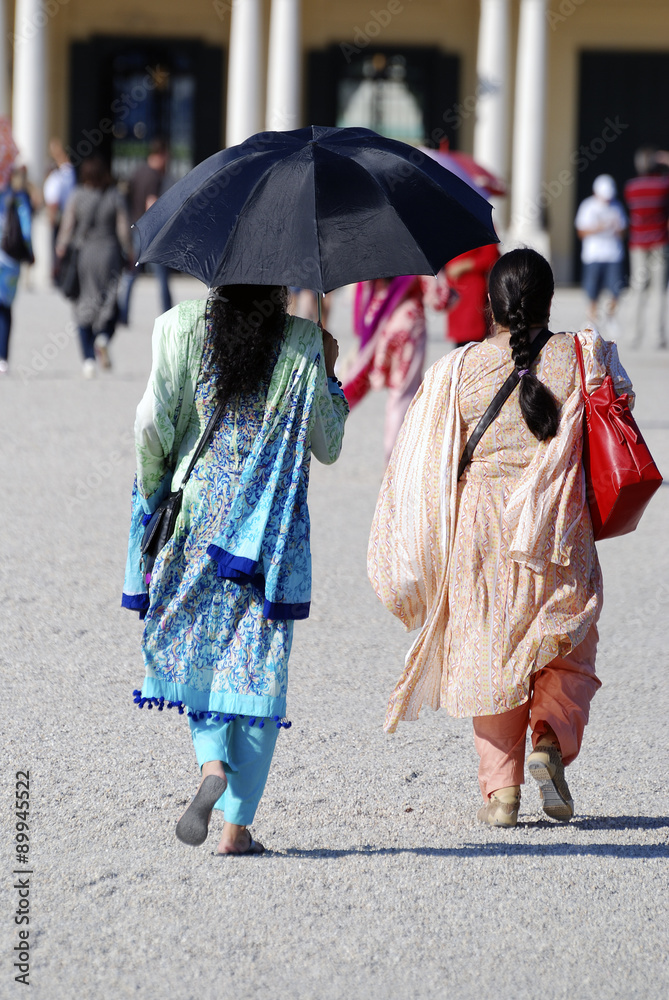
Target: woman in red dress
467,276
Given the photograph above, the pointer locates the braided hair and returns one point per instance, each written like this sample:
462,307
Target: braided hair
248,323
521,288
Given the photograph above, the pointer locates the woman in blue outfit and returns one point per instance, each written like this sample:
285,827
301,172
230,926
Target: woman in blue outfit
225,590
9,266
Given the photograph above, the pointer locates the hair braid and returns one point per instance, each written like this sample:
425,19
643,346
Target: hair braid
520,336
521,287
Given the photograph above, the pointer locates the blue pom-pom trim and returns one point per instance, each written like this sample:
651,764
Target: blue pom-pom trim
224,717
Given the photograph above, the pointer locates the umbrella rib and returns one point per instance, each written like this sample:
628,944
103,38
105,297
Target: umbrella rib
390,203
318,237
250,194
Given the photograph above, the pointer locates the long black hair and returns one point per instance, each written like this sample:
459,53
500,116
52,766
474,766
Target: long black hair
521,288
248,323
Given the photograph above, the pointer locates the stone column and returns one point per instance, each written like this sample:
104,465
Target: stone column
492,94
4,61
30,100
529,129
30,96
284,68
244,116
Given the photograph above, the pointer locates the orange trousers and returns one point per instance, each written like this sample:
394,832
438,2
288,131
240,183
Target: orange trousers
560,697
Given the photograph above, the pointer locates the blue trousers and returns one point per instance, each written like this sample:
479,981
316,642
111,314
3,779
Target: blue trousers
87,338
128,280
5,329
246,753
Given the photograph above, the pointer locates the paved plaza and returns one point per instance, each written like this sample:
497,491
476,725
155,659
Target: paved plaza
378,882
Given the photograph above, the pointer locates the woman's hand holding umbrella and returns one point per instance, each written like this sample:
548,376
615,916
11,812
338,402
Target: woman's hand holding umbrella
330,353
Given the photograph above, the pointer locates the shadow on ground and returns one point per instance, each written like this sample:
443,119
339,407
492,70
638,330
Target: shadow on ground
600,823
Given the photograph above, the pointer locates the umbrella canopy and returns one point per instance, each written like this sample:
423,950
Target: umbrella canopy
466,167
8,150
316,208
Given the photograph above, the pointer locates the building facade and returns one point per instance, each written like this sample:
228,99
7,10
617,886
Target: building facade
546,93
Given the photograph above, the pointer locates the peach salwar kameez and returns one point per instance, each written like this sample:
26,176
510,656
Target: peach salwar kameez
499,571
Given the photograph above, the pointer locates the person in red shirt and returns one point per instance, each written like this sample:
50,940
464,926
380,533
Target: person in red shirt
647,198
467,277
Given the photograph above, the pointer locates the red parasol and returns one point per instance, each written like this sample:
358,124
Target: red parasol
466,167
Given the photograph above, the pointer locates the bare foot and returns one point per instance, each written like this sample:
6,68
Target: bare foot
213,767
237,840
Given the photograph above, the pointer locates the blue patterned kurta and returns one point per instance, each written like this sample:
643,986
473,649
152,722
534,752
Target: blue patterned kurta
207,642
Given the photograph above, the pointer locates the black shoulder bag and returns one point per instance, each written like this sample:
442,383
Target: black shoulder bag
67,271
13,243
499,400
160,528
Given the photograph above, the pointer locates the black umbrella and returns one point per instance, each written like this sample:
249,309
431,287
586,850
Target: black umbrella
316,208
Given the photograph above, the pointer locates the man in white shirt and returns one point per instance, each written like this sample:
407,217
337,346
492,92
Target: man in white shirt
58,187
601,223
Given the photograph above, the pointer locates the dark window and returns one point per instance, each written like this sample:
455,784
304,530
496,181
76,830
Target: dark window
126,91
406,93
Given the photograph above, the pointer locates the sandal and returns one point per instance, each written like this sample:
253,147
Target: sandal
193,826
546,767
255,847
498,813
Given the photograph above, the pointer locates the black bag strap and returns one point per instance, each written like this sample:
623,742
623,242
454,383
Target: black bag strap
202,443
499,400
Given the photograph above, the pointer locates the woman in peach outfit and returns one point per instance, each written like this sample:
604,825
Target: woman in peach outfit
499,570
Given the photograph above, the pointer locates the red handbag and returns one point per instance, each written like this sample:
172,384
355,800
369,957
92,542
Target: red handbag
620,474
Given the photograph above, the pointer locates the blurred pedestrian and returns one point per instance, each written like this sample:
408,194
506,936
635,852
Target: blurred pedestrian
647,198
15,200
601,223
58,187
96,223
303,302
389,322
146,185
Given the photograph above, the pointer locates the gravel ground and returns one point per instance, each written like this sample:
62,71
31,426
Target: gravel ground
378,882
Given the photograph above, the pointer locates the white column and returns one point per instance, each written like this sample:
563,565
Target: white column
492,93
285,60
244,116
529,128
29,119
4,61
30,95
